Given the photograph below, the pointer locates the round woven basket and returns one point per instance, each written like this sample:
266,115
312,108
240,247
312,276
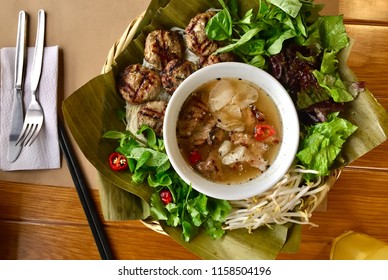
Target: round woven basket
120,45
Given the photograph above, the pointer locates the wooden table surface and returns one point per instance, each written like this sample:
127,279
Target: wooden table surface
48,222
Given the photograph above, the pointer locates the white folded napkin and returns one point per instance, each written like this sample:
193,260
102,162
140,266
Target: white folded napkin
44,153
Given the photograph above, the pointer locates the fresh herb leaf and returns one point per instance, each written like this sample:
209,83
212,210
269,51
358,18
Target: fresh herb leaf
253,47
323,144
301,26
173,214
263,8
151,136
244,39
139,176
142,159
258,61
131,164
163,167
277,41
233,8
158,210
291,7
310,96
197,208
276,22
218,209
114,135
149,161
329,62
219,27
159,180
334,85
333,32
214,229
122,116
154,158
246,19
189,231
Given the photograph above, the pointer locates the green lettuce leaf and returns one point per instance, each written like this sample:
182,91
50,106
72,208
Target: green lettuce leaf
329,62
327,33
333,32
329,78
334,85
323,143
310,96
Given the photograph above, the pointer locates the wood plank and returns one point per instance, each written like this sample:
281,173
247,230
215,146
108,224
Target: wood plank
374,11
133,241
369,56
30,241
48,222
356,202
21,202
53,236
373,159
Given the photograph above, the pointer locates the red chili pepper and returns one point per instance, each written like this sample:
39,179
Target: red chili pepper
117,161
165,196
195,157
263,131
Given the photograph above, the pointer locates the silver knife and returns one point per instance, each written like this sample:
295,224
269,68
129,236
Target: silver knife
17,104
37,62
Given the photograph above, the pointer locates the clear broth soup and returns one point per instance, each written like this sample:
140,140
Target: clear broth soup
229,130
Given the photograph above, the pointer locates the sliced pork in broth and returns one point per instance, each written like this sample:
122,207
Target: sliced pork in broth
233,127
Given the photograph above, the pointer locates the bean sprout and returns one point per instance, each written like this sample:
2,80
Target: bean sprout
291,200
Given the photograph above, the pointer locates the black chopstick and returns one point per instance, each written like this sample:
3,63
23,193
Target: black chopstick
84,195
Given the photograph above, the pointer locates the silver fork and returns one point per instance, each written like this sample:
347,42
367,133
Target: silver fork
33,120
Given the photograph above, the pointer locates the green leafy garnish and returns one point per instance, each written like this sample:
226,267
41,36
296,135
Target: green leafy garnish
220,26
291,7
323,144
334,86
256,35
189,209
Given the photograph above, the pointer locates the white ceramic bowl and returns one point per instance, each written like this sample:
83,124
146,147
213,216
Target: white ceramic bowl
288,145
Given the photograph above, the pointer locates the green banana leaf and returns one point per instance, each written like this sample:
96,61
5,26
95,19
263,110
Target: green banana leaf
91,111
365,112
264,243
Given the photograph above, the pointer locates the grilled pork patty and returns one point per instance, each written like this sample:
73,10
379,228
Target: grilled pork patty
196,38
175,72
161,47
138,84
152,115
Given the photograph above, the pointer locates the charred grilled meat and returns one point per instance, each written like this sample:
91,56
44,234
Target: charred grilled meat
161,47
216,58
138,84
196,38
194,115
175,72
152,115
